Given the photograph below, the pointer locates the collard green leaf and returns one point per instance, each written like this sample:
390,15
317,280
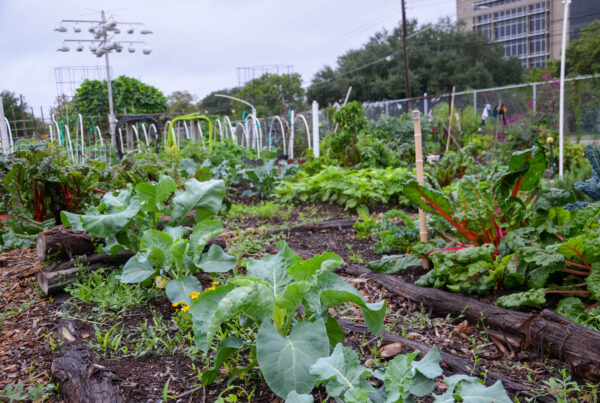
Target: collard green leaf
341,371
105,225
255,301
394,263
153,194
429,366
202,233
292,296
155,246
294,397
203,309
71,220
204,197
216,260
273,269
285,361
307,269
398,377
176,232
330,290
135,271
534,298
188,166
181,288
471,391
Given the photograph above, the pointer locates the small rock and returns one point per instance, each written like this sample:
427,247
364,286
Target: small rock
391,350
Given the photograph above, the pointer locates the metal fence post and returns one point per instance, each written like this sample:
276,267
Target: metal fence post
425,105
475,102
534,98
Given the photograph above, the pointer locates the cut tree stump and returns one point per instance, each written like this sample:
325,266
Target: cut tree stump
453,363
52,279
546,332
78,378
63,243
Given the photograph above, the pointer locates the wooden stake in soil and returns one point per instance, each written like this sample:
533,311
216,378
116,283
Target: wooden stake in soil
419,163
450,119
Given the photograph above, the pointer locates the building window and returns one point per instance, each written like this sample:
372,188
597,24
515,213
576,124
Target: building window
537,45
510,29
485,4
537,8
515,48
538,61
486,29
537,23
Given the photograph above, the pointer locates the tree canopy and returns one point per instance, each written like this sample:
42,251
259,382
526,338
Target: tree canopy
272,94
583,54
130,94
11,102
440,56
182,102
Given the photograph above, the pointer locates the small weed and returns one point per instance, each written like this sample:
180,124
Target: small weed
265,210
354,257
37,392
109,342
53,341
564,389
106,292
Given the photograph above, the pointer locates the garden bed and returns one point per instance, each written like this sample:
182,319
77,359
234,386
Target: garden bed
171,370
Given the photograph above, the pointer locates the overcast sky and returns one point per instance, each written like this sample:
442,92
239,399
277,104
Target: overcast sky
196,45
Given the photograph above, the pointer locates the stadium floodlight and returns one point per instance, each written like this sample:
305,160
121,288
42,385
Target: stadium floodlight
104,32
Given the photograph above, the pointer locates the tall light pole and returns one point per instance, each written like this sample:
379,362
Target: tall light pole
561,117
104,42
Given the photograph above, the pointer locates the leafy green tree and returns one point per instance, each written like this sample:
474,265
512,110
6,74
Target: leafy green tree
182,102
211,104
583,54
272,94
129,94
440,56
11,102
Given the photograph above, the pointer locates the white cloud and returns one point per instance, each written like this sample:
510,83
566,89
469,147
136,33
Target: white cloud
197,45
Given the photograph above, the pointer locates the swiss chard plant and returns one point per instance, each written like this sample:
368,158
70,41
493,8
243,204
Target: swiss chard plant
167,229
268,298
510,232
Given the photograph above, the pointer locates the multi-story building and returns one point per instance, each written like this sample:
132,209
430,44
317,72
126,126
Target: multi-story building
530,30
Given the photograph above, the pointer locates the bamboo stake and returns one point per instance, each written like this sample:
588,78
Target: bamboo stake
420,179
450,119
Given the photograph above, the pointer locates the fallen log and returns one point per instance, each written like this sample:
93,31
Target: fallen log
52,279
442,302
567,340
453,363
63,243
546,332
78,378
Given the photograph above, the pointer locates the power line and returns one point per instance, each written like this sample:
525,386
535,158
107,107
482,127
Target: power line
344,37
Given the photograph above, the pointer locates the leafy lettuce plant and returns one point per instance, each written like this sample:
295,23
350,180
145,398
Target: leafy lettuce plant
268,298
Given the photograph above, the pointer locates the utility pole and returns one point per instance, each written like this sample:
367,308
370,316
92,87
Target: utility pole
404,35
102,45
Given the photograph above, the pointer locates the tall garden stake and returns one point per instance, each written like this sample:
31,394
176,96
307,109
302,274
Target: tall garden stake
419,164
450,119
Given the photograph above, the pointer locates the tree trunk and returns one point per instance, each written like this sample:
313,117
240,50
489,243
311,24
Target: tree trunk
63,243
456,365
54,278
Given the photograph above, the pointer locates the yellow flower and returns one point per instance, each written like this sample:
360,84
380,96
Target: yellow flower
185,308
176,304
193,295
212,287
215,283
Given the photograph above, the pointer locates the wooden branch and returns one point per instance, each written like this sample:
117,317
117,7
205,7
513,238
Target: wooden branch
453,363
54,278
78,378
63,243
